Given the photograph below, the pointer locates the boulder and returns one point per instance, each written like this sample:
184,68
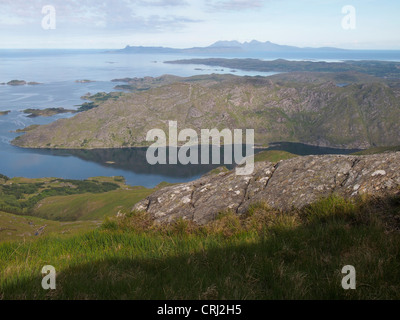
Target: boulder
292,183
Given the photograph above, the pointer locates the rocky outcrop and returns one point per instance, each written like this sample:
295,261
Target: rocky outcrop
287,184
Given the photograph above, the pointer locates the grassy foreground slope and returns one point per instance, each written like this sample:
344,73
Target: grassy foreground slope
22,228
261,255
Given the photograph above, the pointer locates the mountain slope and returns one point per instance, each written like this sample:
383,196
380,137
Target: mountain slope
300,107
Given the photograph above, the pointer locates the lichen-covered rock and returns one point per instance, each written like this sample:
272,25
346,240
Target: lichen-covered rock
303,181
291,183
201,200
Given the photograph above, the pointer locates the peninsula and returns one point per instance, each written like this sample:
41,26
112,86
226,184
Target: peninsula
307,107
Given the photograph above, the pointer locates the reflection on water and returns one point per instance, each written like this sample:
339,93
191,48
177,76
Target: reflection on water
130,163
134,160
82,164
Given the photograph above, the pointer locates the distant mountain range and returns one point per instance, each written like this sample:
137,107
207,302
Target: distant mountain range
230,47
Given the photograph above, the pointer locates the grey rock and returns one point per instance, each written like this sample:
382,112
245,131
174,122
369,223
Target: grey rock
292,183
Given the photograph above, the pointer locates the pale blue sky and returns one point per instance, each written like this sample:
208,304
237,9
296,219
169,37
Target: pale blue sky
187,23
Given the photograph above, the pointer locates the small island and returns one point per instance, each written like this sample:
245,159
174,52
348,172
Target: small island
16,83
33,113
4,113
22,83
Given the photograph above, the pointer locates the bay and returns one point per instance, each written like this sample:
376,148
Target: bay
58,71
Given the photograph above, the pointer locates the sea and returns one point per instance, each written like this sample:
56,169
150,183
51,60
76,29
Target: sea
57,71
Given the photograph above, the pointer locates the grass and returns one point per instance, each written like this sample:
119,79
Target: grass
273,156
25,228
89,206
68,200
377,150
21,195
217,170
264,254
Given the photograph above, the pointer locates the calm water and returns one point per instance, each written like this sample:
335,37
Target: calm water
58,70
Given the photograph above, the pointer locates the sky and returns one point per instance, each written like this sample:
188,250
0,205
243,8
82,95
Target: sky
100,24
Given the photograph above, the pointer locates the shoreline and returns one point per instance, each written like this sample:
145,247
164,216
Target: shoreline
168,146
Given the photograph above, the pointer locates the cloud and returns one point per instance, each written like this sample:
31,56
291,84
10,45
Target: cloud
149,24
163,3
168,23
235,5
93,14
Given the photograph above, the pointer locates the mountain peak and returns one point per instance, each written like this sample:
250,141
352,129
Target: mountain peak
232,43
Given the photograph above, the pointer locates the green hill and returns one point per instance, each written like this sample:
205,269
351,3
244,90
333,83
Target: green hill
21,228
89,206
68,200
273,156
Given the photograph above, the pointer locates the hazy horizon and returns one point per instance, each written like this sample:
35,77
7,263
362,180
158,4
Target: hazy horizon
194,46
110,24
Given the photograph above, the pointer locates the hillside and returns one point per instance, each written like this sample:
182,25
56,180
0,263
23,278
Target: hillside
67,200
21,228
312,108
263,254
267,251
